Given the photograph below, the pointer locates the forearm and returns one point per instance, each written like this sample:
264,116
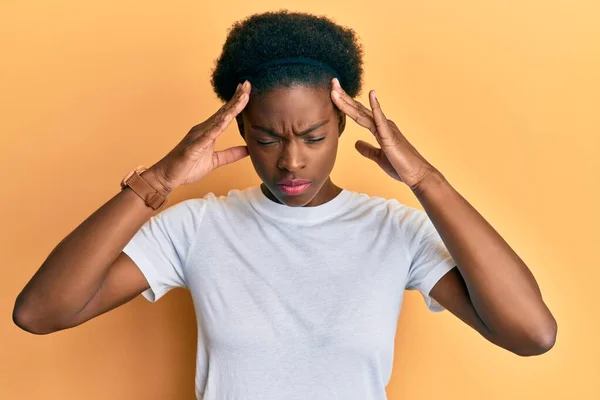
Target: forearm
75,269
502,289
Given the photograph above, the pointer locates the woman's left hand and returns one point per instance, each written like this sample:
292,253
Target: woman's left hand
397,157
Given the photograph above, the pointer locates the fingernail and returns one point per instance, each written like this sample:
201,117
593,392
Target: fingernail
246,84
375,97
336,94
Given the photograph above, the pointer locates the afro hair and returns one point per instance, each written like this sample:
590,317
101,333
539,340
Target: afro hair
271,36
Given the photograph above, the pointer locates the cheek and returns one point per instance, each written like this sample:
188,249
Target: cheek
330,156
259,159
331,147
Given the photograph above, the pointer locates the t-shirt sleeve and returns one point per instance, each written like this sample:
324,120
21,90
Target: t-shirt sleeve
160,247
430,259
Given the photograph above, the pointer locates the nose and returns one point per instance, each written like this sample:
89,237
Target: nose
291,157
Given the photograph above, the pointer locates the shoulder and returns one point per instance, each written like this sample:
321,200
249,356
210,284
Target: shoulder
209,201
390,207
410,222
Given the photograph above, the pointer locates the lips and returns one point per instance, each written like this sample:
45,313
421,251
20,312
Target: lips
294,190
293,187
293,182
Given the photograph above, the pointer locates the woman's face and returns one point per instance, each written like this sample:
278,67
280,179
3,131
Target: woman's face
292,134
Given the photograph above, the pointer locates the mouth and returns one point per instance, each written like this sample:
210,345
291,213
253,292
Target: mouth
294,189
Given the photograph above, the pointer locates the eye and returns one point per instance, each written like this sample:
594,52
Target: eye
264,143
310,141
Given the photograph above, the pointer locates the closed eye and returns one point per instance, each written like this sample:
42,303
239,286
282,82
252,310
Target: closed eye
310,141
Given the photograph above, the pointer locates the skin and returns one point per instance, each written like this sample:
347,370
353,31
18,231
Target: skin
286,113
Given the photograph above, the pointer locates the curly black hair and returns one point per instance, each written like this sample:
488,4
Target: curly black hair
283,34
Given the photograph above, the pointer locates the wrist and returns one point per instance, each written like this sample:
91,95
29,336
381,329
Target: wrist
155,180
430,182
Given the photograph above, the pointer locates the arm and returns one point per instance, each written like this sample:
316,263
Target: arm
491,289
86,274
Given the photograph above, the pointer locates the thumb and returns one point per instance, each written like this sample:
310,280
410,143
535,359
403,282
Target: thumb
368,150
228,156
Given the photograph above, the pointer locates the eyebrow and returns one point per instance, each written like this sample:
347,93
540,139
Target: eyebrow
303,133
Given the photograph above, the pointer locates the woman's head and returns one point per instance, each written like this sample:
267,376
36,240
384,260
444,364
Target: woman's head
290,97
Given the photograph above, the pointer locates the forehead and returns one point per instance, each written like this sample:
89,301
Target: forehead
290,105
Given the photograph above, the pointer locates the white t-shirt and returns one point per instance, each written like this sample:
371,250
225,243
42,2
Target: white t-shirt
292,303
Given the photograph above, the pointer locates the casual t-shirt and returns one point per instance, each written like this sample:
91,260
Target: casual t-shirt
292,303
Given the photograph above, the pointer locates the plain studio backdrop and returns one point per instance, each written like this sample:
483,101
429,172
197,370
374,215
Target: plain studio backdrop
502,97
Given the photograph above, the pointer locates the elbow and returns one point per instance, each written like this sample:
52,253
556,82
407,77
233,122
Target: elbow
541,342
27,321
21,320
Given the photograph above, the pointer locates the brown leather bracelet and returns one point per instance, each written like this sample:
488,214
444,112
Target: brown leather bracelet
152,198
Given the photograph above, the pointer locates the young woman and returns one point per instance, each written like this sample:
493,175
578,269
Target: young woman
297,283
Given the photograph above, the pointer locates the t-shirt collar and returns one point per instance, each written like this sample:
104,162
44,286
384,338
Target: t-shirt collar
327,210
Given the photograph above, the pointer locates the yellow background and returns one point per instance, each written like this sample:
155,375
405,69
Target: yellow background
502,97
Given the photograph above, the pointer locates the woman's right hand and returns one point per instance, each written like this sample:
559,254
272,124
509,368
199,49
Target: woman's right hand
194,157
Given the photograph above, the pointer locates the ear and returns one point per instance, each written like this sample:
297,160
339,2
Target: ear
341,122
240,123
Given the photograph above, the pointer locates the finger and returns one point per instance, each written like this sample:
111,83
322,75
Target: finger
359,113
353,102
215,130
381,121
239,100
238,106
354,109
231,155
217,118
228,112
368,150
